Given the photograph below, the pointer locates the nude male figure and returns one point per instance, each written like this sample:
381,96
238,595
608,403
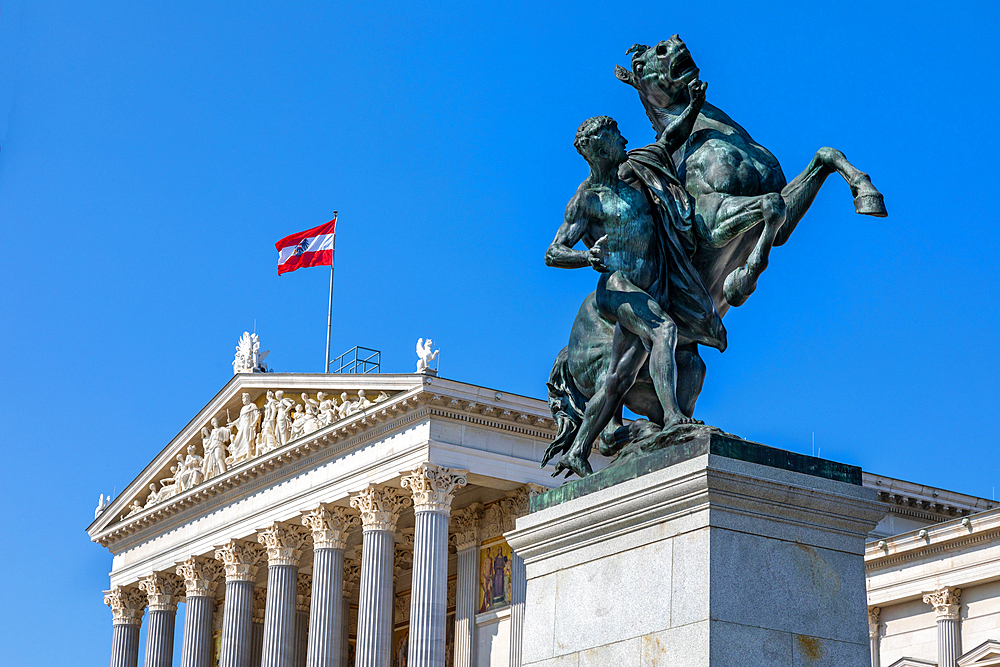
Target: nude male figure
617,223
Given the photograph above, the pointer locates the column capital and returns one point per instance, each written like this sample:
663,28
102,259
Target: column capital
127,605
283,544
240,559
303,592
259,604
330,526
873,613
162,590
465,526
945,601
380,507
352,573
201,576
434,487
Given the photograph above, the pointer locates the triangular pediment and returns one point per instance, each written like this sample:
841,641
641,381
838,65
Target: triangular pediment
206,459
913,662
986,654
280,408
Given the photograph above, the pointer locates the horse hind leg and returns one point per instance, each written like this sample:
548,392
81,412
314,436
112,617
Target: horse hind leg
742,282
802,190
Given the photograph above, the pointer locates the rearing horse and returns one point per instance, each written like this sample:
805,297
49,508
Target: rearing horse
743,207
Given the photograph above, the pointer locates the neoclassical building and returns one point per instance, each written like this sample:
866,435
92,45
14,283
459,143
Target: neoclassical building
933,576
339,519
329,519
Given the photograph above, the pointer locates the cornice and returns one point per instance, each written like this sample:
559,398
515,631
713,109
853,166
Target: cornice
928,542
398,412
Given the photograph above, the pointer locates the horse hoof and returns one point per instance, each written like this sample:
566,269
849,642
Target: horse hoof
870,204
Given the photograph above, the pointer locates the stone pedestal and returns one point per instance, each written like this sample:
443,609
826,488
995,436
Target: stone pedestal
718,552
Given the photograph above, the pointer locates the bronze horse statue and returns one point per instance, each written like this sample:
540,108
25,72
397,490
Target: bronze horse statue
742,207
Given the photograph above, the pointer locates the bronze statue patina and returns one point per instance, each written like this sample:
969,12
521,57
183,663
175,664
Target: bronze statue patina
679,234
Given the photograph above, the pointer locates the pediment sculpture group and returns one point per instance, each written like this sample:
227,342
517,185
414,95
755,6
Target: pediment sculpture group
284,420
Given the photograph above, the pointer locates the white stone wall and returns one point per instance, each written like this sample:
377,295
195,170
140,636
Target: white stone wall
908,630
493,639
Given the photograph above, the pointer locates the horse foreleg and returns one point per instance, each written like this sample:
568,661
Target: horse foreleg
802,190
734,216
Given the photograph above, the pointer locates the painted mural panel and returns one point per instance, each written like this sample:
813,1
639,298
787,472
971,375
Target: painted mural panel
494,576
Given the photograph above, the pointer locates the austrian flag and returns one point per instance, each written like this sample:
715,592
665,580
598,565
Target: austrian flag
313,247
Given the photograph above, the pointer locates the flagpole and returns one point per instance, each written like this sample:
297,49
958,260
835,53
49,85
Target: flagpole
329,312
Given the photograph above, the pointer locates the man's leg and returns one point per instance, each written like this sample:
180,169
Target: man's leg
627,356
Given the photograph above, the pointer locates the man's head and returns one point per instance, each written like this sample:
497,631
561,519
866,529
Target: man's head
598,140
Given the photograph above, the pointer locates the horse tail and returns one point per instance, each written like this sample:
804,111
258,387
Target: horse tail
567,405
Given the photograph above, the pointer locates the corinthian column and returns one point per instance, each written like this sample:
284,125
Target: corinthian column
161,590
380,510
465,526
433,490
241,560
329,526
127,605
873,635
283,553
949,637
200,579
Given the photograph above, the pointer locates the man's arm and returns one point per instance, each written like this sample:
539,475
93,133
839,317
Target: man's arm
675,134
578,220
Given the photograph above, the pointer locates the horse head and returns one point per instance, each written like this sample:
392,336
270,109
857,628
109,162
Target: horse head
660,73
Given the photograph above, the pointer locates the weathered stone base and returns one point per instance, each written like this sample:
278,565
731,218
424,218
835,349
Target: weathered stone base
714,560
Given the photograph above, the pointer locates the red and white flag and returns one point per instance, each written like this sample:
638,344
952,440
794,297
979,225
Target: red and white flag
313,247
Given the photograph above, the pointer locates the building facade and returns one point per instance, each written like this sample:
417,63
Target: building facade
337,520
329,520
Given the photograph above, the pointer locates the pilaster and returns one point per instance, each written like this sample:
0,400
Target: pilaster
874,635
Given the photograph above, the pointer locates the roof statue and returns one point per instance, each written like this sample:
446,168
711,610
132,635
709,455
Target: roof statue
101,505
249,358
425,356
679,231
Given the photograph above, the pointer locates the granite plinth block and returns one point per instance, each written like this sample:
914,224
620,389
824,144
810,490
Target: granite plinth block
710,559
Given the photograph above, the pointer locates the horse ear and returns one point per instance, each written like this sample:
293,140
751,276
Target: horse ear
624,75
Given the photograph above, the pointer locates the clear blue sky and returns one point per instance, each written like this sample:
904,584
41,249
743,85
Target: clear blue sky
151,154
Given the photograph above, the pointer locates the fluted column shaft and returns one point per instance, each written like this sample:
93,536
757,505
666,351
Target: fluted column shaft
429,590
279,617
283,554
466,591
301,637
325,622
160,637
196,649
947,605
256,644
518,587
433,492
237,623
380,508
125,645
374,638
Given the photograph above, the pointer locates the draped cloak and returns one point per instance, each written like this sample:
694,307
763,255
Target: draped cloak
678,287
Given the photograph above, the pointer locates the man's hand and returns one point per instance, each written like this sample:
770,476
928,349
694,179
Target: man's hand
697,90
596,255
